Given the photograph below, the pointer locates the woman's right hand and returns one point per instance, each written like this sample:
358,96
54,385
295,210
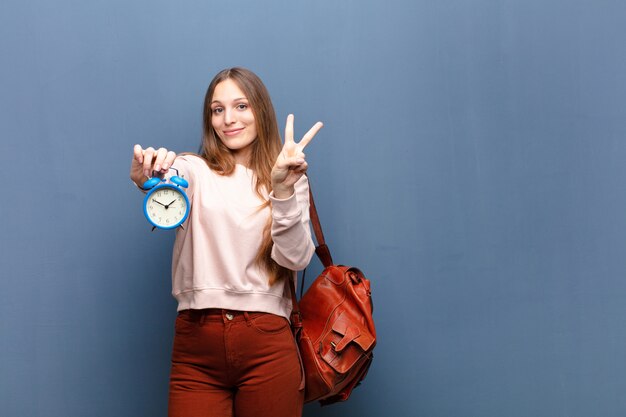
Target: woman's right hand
149,162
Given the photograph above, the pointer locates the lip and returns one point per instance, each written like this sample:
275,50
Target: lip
232,132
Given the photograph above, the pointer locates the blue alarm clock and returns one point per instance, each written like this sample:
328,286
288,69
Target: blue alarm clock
166,205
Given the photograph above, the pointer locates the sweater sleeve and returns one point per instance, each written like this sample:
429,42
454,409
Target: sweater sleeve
291,231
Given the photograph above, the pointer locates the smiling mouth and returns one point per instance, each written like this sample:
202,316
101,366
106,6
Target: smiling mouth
232,132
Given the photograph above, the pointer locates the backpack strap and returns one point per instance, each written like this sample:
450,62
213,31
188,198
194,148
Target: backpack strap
321,249
323,253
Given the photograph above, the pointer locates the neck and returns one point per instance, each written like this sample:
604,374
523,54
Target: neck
242,157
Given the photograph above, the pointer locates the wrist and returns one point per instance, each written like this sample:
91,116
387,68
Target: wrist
283,193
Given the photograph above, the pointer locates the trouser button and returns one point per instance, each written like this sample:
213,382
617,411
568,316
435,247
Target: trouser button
229,316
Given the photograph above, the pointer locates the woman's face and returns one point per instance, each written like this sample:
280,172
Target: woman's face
232,119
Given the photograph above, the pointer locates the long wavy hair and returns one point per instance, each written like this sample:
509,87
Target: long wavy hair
264,151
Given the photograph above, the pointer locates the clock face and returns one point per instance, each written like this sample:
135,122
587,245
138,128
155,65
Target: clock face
166,207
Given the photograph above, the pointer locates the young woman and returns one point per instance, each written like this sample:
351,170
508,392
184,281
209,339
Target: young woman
246,234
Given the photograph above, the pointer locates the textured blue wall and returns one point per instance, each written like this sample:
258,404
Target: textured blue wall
472,164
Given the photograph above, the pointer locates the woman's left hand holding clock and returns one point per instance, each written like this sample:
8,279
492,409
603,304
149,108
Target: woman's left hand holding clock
149,162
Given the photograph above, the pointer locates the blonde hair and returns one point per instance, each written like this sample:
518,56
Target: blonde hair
264,151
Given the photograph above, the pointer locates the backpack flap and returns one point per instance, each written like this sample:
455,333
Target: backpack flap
352,332
346,344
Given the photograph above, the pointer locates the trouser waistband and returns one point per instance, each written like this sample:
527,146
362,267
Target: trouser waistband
217,314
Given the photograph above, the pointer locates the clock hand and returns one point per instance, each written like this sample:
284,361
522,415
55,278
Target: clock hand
158,202
167,206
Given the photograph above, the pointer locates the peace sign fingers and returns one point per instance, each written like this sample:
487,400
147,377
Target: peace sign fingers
289,130
290,164
291,147
310,134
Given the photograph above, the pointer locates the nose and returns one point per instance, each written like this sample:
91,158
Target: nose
229,117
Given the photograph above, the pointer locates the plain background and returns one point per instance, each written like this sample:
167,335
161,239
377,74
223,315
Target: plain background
471,163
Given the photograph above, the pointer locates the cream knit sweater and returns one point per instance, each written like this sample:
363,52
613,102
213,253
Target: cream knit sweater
213,263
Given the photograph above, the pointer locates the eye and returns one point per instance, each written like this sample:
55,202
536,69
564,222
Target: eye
242,106
217,110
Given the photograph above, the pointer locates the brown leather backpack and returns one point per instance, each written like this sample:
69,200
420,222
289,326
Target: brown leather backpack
333,326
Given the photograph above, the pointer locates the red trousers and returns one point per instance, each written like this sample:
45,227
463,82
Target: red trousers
235,364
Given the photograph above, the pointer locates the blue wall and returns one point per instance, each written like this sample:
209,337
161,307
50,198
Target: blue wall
472,164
